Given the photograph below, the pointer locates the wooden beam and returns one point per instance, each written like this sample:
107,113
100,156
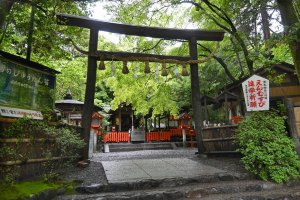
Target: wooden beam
218,139
154,32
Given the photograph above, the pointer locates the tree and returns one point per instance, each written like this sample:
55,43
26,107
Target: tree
290,15
49,42
5,7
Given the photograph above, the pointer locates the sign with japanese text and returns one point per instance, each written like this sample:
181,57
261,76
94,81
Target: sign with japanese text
16,112
24,87
256,93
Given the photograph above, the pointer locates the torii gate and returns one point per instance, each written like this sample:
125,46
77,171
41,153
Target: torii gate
191,35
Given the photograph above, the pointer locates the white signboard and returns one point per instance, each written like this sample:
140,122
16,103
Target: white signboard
16,112
256,93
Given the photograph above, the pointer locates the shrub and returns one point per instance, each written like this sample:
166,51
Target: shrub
266,149
57,142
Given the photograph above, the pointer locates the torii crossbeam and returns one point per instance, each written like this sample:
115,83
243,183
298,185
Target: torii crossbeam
190,35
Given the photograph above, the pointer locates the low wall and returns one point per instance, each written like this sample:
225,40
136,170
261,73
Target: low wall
219,139
26,156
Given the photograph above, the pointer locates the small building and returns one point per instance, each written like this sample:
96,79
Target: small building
122,119
284,84
71,109
184,121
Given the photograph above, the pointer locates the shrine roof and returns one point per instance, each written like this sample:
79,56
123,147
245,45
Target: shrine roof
28,63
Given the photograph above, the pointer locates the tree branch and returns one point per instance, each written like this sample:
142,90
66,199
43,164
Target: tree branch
221,62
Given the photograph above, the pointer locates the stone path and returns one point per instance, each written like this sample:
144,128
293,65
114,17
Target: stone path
171,174
156,169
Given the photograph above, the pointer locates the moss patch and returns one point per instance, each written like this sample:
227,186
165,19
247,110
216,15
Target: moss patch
25,189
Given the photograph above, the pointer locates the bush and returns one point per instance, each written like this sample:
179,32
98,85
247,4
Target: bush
56,142
266,149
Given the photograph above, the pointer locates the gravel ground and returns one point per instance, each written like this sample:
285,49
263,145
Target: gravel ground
94,173
146,154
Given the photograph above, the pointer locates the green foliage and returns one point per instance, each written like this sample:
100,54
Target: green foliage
61,142
68,142
25,189
49,47
266,149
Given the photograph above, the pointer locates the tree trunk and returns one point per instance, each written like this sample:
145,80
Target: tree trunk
5,7
265,21
290,20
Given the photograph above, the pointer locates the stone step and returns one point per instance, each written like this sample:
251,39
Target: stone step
279,194
160,183
119,147
246,189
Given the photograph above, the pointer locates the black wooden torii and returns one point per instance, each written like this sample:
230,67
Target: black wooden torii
191,35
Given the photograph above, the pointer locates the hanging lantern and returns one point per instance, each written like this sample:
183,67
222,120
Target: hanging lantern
147,68
125,69
101,65
164,71
184,70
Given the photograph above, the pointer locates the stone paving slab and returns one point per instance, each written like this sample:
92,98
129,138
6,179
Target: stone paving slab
137,170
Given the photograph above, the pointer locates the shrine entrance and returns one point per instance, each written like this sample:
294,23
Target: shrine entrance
94,55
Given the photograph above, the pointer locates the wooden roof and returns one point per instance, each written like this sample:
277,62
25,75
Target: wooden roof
229,96
145,31
208,99
28,63
282,66
184,116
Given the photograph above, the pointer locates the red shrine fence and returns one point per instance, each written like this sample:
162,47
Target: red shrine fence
215,139
156,136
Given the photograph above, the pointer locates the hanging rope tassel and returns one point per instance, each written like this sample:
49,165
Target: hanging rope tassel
184,70
164,71
136,71
101,65
156,72
147,68
112,66
125,69
175,71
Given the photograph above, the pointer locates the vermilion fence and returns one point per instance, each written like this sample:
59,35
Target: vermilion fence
150,136
167,135
158,136
116,137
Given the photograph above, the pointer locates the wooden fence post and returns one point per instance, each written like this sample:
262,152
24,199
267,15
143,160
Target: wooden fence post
292,124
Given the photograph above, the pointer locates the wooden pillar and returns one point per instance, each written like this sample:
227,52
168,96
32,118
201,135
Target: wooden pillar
146,124
168,122
154,123
159,123
120,120
196,101
183,137
132,119
205,110
291,120
226,109
89,91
